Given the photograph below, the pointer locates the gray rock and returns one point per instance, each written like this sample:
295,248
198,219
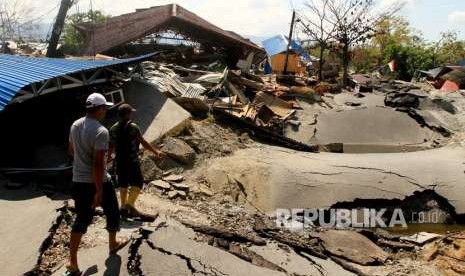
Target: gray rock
174,178
205,190
149,168
180,186
161,184
352,246
176,194
421,238
179,150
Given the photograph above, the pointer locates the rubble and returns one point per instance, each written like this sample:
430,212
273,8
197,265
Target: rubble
352,246
386,144
161,184
178,150
176,194
421,238
173,178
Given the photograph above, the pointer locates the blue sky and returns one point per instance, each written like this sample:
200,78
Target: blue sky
264,18
432,17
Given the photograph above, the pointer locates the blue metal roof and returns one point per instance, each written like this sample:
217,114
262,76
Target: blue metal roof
17,72
278,44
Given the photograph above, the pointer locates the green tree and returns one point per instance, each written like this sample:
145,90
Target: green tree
409,58
449,49
355,25
72,39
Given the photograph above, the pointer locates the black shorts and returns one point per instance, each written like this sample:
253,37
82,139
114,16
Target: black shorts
83,195
129,174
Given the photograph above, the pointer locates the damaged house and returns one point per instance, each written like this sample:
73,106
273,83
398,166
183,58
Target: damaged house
41,97
192,36
298,61
446,78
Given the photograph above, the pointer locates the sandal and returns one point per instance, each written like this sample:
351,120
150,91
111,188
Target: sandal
121,243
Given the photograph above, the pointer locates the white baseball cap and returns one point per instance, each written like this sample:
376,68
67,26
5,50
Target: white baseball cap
97,99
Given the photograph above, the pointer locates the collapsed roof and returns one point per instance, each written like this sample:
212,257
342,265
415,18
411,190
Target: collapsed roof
120,30
30,76
278,44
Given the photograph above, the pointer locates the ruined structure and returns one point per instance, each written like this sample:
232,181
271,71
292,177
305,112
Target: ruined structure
120,30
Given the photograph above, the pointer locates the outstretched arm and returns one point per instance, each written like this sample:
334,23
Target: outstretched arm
149,147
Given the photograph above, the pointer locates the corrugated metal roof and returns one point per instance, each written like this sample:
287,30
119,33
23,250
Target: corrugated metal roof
278,44
17,72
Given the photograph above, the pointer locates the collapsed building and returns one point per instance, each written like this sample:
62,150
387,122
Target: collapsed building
139,31
446,78
41,97
297,61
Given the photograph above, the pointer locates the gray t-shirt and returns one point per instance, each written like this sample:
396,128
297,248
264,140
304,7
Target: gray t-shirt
87,135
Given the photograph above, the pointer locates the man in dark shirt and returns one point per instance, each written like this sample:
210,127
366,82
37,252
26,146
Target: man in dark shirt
125,139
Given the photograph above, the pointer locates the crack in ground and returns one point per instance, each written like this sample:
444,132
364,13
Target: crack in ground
207,270
318,266
409,179
134,259
324,174
41,268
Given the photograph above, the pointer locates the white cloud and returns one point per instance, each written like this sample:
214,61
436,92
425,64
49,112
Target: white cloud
457,17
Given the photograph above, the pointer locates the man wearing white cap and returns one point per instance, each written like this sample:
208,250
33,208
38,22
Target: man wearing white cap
88,144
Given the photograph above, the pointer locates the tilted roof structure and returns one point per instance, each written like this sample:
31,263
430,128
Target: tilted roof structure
41,75
119,30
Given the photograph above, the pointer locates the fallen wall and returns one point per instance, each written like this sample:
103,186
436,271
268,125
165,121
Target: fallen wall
156,115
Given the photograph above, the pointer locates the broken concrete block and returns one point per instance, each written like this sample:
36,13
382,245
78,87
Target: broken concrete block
180,186
176,194
172,194
156,115
421,238
179,150
161,184
205,190
174,178
149,169
352,246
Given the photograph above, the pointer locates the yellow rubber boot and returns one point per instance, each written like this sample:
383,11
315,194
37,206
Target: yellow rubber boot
123,193
133,194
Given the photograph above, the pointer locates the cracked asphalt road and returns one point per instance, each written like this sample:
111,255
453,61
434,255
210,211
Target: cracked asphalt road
278,178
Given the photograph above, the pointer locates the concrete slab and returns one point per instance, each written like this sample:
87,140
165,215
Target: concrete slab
156,115
97,261
176,242
421,238
26,218
160,264
373,125
296,264
370,99
308,117
280,178
352,246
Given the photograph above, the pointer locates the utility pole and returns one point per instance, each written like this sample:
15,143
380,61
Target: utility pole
291,31
58,27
